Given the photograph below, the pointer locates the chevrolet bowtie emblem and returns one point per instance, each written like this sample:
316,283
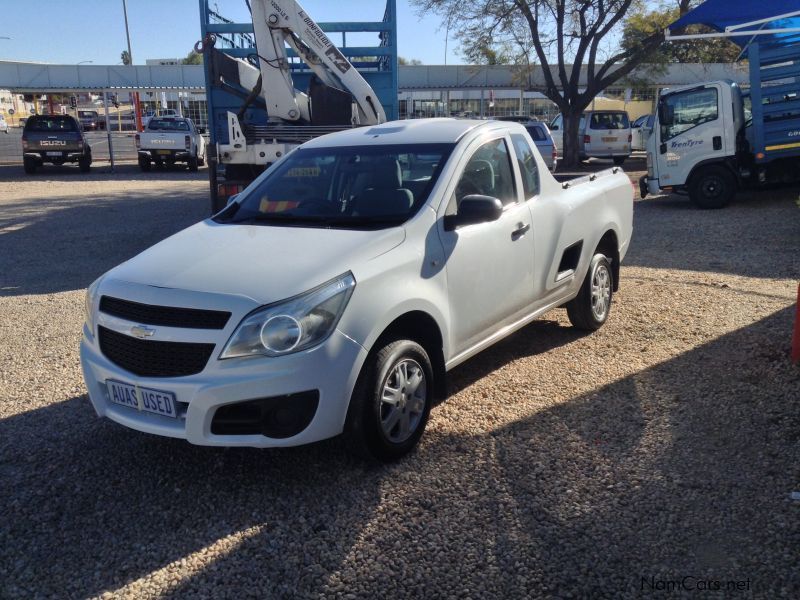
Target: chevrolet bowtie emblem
142,331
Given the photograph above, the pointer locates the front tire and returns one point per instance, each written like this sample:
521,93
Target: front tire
713,187
391,402
591,307
145,164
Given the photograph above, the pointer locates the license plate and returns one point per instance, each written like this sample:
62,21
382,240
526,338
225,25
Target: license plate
54,154
609,139
165,152
149,400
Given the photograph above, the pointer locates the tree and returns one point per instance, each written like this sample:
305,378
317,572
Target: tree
556,32
642,23
405,61
126,58
193,58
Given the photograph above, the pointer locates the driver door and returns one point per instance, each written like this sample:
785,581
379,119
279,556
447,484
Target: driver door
489,265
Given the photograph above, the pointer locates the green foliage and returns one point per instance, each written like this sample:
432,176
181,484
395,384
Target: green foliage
643,22
193,58
406,61
125,57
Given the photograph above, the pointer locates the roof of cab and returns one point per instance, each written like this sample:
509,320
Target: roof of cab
412,131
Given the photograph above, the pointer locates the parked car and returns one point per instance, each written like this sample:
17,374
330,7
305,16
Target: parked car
55,139
169,140
334,293
541,136
601,134
3,124
641,130
91,120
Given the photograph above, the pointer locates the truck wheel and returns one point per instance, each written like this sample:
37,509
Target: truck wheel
201,160
145,164
192,163
391,402
590,308
85,163
619,160
29,165
712,187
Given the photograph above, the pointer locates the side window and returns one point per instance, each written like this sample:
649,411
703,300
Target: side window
556,124
487,173
686,110
527,165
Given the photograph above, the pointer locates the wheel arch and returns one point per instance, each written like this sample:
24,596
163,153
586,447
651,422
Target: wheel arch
724,162
609,245
421,327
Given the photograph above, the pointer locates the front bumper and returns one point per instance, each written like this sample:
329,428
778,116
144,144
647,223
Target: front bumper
331,369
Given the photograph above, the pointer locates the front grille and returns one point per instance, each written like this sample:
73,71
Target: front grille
169,316
149,358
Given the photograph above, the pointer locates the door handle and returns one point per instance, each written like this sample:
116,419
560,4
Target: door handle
520,231
717,142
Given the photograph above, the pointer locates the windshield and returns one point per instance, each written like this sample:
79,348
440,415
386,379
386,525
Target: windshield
348,187
167,125
609,120
90,114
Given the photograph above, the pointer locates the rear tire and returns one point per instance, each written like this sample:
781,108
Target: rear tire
29,165
619,160
145,164
193,163
391,402
712,187
591,307
85,163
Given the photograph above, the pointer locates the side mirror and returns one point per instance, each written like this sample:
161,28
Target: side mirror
665,113
474,209
201,130
553,127
231,199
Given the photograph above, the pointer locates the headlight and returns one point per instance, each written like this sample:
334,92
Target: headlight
88,305
294,324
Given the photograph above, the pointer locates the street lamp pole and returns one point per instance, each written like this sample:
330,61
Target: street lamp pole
136,111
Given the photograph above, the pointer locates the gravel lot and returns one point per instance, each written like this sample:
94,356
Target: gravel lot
665,445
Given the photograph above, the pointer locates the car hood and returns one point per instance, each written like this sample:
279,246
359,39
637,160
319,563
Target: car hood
261,262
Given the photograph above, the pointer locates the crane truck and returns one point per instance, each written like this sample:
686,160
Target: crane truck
269,116
711,139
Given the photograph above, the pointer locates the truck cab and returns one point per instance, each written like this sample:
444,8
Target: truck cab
697,135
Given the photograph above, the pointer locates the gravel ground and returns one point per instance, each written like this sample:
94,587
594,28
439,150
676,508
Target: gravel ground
665,445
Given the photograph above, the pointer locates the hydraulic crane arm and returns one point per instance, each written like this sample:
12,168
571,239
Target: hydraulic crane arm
280,22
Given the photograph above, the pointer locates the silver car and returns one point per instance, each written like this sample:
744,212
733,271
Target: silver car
544,141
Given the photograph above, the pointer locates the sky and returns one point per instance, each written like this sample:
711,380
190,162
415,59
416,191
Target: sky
70,32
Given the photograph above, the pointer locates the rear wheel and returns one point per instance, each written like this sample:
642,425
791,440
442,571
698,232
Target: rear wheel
193,163
85,163
590,308
145,164
619,160
391,402
29,165
712,187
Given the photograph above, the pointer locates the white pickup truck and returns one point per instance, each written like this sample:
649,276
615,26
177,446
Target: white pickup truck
335,292
169,140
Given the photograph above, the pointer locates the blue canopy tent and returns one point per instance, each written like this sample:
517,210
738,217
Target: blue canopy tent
768,31
772,22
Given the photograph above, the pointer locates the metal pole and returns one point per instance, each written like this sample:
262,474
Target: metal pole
108,130
127,33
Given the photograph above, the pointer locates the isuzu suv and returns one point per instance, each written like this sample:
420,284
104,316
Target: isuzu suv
335,292
55,139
